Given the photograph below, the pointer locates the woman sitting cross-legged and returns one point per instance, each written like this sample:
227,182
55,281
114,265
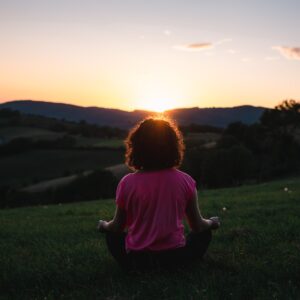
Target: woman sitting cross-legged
147,230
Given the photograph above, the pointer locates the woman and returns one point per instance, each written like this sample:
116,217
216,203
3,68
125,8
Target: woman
152,203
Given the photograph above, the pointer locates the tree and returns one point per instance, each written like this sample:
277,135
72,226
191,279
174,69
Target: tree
227,167
285,118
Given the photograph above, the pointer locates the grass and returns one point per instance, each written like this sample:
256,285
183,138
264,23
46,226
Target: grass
54,252
90,142
24,168
10,133
113,143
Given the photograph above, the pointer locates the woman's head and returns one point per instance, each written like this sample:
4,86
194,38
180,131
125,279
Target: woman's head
154,144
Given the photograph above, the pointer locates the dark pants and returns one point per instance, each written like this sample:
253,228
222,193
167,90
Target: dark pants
195,248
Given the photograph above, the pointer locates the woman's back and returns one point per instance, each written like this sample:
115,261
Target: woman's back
155,204
152,204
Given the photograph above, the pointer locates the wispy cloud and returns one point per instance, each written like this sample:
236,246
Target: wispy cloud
200,46
288,52
194,47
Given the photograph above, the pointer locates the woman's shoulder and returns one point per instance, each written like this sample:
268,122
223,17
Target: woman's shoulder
186,179
126,178
183,175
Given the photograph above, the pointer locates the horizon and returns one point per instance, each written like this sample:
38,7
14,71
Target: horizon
153,56
136,109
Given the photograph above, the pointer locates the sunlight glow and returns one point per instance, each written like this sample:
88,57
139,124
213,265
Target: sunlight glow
158,105
158,95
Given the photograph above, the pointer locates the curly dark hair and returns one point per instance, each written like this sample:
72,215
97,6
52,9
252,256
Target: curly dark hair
154,144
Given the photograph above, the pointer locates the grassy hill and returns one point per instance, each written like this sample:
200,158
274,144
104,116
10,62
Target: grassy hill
23,168
54,252
11,132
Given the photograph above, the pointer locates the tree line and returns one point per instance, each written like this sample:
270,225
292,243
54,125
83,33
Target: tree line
262,151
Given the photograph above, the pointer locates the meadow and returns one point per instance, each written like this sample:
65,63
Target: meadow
55,252
37,165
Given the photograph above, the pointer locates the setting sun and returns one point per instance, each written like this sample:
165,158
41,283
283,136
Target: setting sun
158,105
158,96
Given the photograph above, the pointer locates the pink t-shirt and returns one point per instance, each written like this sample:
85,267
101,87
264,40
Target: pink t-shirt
155,203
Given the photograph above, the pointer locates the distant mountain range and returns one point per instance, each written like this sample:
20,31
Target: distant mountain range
219,117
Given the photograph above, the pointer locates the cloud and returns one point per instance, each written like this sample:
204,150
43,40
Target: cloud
288,52
200,46
194,47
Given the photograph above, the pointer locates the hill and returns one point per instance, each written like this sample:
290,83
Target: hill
220,117
54,252
93,115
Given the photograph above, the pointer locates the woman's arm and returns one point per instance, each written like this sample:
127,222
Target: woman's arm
117,224
196,221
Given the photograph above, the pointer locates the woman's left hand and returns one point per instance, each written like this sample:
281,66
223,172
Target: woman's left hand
215,222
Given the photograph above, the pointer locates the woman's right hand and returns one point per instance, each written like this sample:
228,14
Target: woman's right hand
215,222
101,226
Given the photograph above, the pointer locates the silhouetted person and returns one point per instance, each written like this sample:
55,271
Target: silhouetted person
152,203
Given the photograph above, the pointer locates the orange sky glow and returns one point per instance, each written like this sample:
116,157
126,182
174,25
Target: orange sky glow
136,56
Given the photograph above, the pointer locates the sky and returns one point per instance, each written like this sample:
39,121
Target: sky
158,54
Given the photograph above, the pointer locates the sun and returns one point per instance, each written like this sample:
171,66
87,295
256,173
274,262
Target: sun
158,105
157,96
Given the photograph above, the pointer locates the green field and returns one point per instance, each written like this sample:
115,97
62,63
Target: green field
113,143
54,252
11,132
23,168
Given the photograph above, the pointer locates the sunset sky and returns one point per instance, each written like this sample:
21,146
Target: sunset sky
156,54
